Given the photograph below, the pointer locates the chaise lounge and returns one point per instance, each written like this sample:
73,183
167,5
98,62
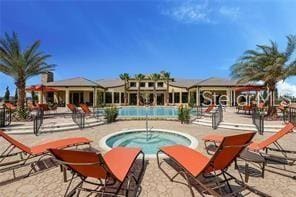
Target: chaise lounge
262,148
26,154
106,172
194,165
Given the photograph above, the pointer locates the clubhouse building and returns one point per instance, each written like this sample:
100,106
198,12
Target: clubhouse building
111,91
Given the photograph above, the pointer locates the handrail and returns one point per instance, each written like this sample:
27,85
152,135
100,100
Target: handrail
79,119
217,117
292,114
37,121
258,120
5,117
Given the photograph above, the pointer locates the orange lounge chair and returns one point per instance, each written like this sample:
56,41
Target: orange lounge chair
111,168
27,153
261,148
72,108
85,109
256,146
194,164
10,106
210,108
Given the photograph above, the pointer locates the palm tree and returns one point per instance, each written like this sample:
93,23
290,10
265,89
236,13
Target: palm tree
167,77
154,77
267,64
22,64
139,77
125,77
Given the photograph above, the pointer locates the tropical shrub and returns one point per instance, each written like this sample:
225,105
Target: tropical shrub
21,114
111,114
184,114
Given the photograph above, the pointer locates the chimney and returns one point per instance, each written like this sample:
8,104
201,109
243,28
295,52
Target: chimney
46,77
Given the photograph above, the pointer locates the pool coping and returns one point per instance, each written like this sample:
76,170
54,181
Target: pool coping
103,145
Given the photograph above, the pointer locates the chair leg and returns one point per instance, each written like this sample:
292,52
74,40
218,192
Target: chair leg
246,172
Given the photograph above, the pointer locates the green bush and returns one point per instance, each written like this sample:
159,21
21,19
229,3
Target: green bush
21,115
184,114
111,114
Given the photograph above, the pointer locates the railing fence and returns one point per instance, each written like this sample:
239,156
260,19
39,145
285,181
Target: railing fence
37,121
79,119
258,120
5,117
217,117
292,114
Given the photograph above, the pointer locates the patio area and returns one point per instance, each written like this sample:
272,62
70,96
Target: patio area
154,182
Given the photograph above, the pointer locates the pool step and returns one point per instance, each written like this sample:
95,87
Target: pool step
238,126
50,128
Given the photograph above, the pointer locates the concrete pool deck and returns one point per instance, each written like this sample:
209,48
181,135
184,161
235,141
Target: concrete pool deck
154,183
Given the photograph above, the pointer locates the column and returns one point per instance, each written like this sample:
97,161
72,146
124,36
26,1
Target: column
112,98
104,97
231,98
180,97
95,97
128,98
234,98
119,98
39,97
228,96
173,97
197,96
67,96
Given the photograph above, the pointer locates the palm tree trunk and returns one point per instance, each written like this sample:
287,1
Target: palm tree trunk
272,111
21,87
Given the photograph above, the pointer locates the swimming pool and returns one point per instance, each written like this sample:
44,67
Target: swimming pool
149,142
154,112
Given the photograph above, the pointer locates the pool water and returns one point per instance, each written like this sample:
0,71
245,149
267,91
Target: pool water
165,112
149,142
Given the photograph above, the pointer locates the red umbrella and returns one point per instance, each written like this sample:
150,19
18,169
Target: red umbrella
41,88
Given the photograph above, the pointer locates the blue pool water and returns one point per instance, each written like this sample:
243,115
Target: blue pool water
149,143
163,112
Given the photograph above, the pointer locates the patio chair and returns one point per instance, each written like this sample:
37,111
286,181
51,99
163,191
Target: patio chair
10,106
85,109
28,153
210,108
262,148
72,108
106,172
32,107
194,165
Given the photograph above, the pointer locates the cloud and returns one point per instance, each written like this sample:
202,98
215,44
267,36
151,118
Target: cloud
197,12
230,12
285,88
190,12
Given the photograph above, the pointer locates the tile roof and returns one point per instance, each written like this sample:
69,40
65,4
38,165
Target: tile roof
77,81
107,83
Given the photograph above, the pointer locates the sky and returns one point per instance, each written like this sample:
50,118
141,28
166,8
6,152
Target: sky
190,39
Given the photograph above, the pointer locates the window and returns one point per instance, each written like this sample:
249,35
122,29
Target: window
122,97
177,97
142,84
108,97
151,84
116,97
185,97
160,84
170,97
133,84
